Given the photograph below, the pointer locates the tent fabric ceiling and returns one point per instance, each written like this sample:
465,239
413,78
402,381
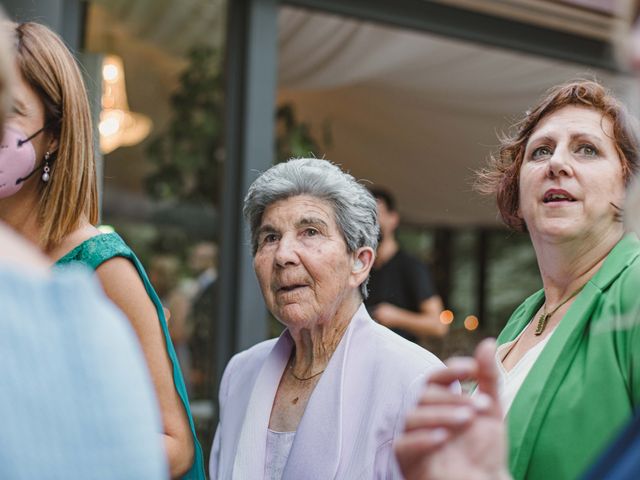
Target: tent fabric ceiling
172,26
413,112
590,18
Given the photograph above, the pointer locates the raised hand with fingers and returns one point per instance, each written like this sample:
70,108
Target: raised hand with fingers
451,436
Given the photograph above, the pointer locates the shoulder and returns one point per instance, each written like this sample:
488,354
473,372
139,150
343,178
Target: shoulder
619,303
251,359
120,275
117,268
396,355
74,239
92,248
620,279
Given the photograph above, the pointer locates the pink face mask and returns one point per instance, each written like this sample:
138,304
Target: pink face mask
17,161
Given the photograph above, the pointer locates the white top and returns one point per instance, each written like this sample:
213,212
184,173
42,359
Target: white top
510,382
278,448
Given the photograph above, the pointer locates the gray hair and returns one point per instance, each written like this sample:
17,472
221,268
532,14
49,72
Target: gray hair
354,207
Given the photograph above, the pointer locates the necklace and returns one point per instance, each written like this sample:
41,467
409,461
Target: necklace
304,379
544,316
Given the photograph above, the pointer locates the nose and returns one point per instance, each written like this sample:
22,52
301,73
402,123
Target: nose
560,163
286,252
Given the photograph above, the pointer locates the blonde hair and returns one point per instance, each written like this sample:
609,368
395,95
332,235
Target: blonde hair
50,69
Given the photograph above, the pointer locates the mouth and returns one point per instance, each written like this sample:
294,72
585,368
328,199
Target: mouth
291,288
555,196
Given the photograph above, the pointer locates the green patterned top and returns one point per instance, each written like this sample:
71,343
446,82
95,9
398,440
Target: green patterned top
93,253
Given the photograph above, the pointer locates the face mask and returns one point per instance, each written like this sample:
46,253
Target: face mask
17,160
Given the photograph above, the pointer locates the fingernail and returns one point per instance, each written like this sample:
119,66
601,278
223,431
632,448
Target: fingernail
481,402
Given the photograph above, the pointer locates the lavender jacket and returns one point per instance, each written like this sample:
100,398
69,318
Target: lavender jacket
355,412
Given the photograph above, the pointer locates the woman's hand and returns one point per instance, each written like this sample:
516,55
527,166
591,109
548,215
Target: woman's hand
450,436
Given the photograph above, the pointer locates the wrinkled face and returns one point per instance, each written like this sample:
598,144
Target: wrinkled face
302,263
570,176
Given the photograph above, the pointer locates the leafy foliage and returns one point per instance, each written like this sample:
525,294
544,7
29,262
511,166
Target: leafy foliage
187,157
294,138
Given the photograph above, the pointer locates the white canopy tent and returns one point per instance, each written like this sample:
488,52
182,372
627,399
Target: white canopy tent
413,112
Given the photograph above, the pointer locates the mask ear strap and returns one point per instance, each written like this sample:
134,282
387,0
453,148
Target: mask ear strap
22,179
49,160
28,139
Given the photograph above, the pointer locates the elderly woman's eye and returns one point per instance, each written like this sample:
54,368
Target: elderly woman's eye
588,150
269,238
541,152
311,232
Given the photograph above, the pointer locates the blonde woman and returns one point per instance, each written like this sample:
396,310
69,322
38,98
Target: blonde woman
48,194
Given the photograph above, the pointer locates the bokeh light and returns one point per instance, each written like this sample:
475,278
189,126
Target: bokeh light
446,317
471,322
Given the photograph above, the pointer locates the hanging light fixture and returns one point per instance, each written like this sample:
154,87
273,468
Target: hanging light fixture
119,127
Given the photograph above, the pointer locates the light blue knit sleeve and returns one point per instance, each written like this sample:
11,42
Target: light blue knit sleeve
75,395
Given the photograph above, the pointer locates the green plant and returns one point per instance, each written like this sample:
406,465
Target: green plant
187,156
294,138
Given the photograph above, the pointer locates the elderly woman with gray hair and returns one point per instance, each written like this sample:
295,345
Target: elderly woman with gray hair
327,398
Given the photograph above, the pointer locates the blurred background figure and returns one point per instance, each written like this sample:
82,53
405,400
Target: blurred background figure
76,409
164,273
203,263
402,295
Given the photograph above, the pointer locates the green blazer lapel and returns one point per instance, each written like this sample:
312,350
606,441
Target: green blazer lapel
534,398
521,317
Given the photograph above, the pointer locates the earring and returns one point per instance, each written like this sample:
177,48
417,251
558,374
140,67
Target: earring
46,169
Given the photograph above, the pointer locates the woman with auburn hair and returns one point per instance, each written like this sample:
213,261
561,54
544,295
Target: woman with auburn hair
568,360
48,194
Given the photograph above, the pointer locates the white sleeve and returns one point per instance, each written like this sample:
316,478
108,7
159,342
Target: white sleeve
214,459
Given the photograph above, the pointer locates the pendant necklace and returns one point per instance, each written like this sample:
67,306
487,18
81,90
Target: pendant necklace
544,316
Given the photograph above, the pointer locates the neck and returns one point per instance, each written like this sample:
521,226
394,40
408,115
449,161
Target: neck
21,214
386,250
566,266
315,345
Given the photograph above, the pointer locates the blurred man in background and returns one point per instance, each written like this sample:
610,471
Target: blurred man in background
401,292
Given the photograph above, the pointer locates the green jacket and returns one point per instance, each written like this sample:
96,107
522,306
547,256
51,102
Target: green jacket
586,382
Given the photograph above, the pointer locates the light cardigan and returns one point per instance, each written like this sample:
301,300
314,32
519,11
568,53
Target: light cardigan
353,415
586,382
